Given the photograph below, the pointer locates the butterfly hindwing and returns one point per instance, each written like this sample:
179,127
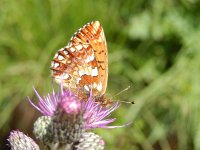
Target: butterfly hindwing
82,64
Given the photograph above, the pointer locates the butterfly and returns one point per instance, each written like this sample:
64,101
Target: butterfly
82,65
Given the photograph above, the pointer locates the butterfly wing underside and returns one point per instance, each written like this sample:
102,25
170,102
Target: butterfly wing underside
82,65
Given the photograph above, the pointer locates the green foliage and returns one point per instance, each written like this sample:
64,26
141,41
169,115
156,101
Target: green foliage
153,47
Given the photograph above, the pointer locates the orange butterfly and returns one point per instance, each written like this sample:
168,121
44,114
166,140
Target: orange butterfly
82,66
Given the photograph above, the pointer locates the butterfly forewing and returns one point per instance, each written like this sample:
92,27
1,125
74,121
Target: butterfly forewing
82,65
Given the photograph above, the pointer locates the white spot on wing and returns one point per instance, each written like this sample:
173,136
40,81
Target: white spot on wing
65,76
99,86
86,88
94,85
96,25
72,49
78,80
60,57
70,43
89,69
81,72
84,72
85,46
87,72
95,72
79,47
55,65
65,52
90,58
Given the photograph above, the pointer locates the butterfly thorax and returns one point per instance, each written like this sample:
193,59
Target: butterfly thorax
103,100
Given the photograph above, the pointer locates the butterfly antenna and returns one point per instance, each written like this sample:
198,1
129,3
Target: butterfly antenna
132,102
122,91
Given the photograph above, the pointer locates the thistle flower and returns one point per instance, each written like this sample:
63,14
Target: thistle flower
19,141
67,118
62,121
93,113
65,100
89,141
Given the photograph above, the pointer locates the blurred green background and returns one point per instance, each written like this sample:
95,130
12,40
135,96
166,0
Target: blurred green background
153,47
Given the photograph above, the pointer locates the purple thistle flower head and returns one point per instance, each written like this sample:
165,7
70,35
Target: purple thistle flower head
94,114
65,100
18,140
